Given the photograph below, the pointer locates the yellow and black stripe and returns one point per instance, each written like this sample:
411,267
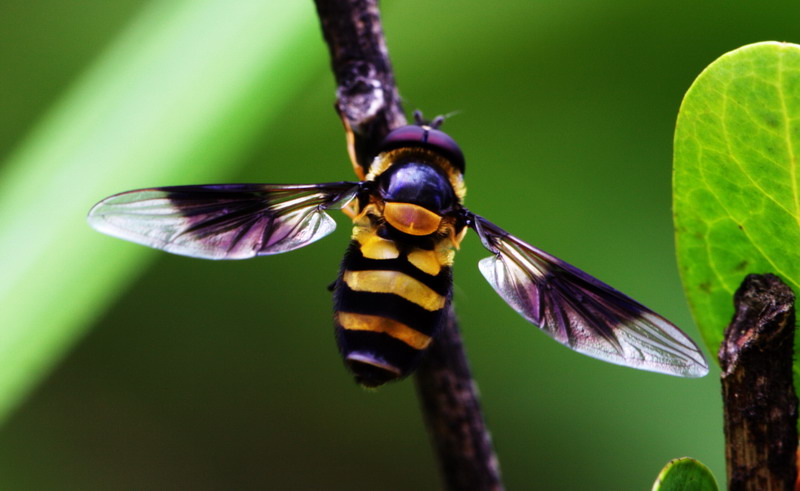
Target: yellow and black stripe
388,308
395,284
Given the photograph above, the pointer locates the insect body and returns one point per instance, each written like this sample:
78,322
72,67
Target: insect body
394,289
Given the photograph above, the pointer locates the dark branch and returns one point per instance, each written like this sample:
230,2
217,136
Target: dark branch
452,411
369,105
367,97
760,405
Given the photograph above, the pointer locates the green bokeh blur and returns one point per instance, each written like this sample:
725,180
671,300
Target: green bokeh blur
225,375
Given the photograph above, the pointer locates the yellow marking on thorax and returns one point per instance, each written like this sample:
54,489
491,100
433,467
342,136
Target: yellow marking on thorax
375,323
374,247
397,283
426,261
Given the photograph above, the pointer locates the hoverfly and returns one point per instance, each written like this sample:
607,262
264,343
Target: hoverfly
394,287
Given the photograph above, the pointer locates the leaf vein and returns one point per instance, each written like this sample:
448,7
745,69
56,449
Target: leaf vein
716,196
787,125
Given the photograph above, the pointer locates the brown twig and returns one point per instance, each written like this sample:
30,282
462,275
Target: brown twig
369,105
452,411
366,96
760,405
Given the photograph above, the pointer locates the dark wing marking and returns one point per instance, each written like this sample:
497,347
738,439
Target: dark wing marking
225,221
582,312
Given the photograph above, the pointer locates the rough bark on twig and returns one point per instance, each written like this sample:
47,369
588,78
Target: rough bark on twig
453,414
369,104
366,96
760,405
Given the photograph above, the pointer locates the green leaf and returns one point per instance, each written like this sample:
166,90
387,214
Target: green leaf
175,99
736,179
684,474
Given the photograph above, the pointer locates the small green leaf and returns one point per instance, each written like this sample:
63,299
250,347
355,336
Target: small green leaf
683,474
736,179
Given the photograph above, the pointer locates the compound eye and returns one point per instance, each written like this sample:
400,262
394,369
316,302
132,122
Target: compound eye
425,137
411,219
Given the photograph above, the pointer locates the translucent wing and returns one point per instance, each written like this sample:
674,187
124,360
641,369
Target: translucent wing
582,312
225,221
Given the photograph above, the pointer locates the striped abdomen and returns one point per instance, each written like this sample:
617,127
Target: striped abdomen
389,305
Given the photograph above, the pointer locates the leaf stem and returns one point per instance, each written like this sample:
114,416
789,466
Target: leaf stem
760,405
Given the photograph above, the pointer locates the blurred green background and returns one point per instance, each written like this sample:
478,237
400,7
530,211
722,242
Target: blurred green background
182,373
